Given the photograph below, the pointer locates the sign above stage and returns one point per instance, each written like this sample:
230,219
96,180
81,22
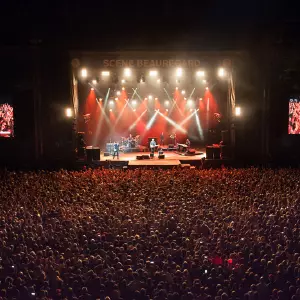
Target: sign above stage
151,63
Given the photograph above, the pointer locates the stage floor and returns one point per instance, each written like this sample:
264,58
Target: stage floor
171,158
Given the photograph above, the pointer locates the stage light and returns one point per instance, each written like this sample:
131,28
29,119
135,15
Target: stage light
238,111
191,109
167,102
92,89
134,109
176,87
167,109
123,89
123,81
204,81
200,74
183,92
111,102
94,81
69,112
190,102
156,99
116,98
206,88
200,99
110,109
105,73
150,97
179,72
146,99
158,80
84,73
133,102
221,72
153,73
127,72
184,98
118,93
100,99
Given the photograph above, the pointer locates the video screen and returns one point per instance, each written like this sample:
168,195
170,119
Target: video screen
6,117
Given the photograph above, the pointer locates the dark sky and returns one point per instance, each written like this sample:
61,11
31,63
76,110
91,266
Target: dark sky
104,23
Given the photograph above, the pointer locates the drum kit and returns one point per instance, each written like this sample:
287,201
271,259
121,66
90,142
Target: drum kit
130,142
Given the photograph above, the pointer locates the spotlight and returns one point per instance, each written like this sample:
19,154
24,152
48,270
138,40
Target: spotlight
110,109
156,99
167,102
190,102
123,81
167,109
221,72
105,73
127,72
184,98
94,81
179,72
118,93
116,98
153,73
69,112
204,81
158,80
206,88
238,111
92,89
100,99
133,102
111,102
134,109
183,92
146,99
176,87
84,73
200,74
150,97
123,89
200,99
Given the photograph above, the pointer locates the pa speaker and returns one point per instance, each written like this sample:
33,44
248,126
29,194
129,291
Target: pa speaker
89,154
146,156
161,156
209,152
139,157
96,153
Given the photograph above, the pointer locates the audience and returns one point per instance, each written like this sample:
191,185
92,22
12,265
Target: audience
144,234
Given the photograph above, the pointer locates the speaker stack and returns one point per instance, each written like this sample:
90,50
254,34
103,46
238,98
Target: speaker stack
92,153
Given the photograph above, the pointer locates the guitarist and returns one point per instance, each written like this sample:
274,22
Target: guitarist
152,145
116,150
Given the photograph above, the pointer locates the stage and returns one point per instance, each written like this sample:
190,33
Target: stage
172,159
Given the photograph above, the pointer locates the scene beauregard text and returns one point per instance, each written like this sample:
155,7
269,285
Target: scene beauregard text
151,63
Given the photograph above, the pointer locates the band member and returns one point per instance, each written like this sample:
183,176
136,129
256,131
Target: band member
162,138
188,143
152,145
116,150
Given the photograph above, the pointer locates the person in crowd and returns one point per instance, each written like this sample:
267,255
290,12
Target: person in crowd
145,234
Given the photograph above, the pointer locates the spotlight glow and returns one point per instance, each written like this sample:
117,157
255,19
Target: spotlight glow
156,99
158,80
190,102
167,109
167,102
118,93
105,73
150,97
153,73
200,73
134,109
123,81
238,111
111,102
176,87
200,99
151,121
116,98
110,109
84,73
92,89
204,81
183,92
69,112
191,109
179,72
221,72
123,89
94,81
133,102
127,72
206,88
100,99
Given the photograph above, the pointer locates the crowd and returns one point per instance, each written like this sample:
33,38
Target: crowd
144,234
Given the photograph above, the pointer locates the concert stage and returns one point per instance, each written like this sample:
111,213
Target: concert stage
172,159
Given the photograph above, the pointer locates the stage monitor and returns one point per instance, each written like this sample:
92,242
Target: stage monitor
294,116
6,117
